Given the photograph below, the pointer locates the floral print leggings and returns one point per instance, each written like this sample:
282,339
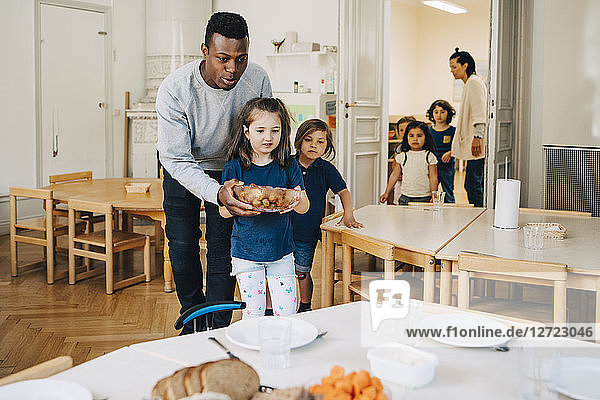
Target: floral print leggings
252,278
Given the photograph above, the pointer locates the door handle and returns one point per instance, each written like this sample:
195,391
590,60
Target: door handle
348,105
101,105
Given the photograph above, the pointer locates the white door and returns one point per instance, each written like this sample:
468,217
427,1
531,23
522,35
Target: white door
362,101
73,91
504,63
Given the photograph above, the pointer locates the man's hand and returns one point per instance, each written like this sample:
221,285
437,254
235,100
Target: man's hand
233,205
476,146
446,156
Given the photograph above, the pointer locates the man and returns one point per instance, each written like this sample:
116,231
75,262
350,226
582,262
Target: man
196,105
468,141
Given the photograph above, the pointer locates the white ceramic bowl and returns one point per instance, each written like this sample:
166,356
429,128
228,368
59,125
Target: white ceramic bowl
402,364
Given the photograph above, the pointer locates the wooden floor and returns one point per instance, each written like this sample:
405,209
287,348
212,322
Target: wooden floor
39,321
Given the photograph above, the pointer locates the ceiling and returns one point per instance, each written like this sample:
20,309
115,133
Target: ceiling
464,3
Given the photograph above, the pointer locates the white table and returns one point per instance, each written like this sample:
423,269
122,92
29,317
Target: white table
122,374
394,233
130,373
580,250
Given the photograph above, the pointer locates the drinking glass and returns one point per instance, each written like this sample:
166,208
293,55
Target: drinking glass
539,367
533,237
411,321
275,335
438,199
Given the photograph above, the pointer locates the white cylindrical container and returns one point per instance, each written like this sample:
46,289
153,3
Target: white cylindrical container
290,39
508,193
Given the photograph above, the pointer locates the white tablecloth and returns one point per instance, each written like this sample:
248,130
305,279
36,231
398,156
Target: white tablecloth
130,373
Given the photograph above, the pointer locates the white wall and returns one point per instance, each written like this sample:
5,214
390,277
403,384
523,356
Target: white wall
422,40
565,91
17,79
314,20
404,71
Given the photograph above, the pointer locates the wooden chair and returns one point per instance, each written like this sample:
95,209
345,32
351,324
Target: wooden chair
557,212
24,231
40,371
63,178
500,269
417,204
110,242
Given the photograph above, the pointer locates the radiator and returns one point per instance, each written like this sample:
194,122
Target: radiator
572,178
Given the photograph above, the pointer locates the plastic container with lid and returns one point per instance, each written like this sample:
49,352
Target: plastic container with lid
402,364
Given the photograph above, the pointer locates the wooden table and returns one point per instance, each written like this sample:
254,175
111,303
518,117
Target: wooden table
394,233
113,191
579,250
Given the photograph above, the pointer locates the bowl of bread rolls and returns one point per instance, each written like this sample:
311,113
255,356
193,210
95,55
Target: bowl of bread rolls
213,381
266,198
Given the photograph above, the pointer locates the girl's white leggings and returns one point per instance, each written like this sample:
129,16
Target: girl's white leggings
252,278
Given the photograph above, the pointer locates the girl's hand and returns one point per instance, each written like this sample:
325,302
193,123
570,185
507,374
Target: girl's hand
384,197
349,221
446,156
294,203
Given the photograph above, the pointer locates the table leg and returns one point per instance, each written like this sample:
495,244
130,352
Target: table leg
429,280
346,271
463,289
597,320
388,269
167,271
446,283
327,269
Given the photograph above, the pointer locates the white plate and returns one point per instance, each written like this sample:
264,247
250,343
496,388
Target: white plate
465,323
244,333
44,389
578,378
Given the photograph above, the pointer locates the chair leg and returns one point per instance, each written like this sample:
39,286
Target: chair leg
463,289
560,302
13,233
147,259
346,272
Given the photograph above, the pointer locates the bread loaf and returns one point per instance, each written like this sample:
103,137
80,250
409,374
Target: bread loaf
233,378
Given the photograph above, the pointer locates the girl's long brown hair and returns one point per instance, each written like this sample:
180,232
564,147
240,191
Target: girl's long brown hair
239,145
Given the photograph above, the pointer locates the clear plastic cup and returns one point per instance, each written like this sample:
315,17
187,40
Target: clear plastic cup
275,335
411,321
539,369
533,237
438,199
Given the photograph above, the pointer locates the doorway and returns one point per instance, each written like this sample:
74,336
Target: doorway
421,42
72,90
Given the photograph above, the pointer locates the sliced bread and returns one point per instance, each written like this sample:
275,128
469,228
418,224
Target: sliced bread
232,377
160,389
176,389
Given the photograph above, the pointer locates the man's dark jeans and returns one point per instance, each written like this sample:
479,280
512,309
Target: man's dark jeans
182,211
446,178
474,181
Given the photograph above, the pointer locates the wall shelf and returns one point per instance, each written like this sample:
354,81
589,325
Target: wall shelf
299,54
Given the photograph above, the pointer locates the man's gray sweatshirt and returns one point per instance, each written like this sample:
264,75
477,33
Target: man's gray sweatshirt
195,121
